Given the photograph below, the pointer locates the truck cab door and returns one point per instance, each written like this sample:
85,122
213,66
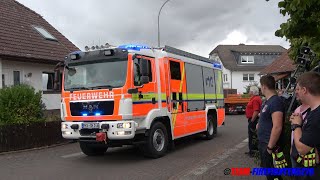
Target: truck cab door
176,93
145,98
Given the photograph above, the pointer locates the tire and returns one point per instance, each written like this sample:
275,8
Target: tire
157,142
212,129
90,150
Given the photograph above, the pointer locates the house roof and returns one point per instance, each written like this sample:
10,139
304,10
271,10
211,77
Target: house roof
282,64
227,57
20,40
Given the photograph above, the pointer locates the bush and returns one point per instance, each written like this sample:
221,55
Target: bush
20,105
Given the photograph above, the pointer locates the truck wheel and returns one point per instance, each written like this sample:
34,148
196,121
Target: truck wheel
90,150
211,127
157,142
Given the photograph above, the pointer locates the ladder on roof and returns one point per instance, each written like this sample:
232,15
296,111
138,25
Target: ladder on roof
187,54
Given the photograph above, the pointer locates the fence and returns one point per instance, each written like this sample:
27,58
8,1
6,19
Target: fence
18,137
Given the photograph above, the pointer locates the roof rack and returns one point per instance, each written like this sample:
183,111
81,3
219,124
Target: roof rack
187,54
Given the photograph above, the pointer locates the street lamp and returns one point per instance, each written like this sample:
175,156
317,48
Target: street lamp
159,20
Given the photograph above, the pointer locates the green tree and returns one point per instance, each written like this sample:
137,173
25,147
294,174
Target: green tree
302,27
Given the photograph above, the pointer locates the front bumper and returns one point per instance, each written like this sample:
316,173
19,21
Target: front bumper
113,132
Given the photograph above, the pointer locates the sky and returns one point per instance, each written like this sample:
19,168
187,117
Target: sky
196,26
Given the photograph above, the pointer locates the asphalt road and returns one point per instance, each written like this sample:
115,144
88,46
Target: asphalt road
67,161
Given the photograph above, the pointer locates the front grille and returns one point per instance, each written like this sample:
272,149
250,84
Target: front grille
91,108
88,132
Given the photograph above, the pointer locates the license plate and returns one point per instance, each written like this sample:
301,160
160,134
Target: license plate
90,126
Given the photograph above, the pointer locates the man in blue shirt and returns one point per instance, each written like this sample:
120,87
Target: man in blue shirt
270,127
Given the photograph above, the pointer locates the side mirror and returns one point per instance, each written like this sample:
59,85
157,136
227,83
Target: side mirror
133,91
144,68
144,79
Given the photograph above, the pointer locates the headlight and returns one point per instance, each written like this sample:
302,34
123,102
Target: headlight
64,126
125,125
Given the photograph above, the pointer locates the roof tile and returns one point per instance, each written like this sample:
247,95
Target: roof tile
226,55
19,38
280,65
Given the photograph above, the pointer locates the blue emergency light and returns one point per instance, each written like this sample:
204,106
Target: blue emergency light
75,55
136,47
217,65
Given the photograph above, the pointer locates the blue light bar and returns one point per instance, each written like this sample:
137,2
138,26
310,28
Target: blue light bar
76,52
84,114
217,65
98,114
136,47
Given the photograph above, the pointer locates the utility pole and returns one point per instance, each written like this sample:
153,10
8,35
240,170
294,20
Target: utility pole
159,22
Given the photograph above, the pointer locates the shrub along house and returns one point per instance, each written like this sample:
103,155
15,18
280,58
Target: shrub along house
29,50
242,63
281,69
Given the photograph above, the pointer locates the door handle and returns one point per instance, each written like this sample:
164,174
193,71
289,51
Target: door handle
140,95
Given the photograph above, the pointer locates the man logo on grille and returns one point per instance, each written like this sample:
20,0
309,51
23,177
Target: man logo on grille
90,107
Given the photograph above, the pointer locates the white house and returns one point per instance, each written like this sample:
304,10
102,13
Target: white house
243,63
29,50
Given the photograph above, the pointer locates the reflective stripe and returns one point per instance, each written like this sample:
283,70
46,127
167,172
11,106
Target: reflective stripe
185,97
147,97
174,117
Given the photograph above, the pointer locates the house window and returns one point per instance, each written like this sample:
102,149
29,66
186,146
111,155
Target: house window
16,78
3,81
44,33
225,77
247,59
48,81
248,77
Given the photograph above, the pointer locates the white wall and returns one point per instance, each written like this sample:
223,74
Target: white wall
239,84
52,101
235,79
226,84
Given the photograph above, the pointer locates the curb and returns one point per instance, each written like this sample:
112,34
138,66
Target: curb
38,148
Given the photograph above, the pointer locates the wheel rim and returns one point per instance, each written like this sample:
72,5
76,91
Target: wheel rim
158,140
210,127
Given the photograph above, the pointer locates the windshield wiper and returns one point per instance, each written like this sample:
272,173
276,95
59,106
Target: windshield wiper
77,89
103,87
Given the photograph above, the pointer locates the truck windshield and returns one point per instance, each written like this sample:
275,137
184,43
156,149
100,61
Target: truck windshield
98,75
